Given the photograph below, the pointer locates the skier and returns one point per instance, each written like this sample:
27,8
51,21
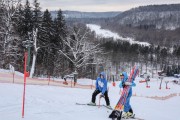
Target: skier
147,80
101,87
128,112
65,82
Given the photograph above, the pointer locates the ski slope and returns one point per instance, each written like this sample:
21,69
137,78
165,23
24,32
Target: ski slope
108,34
58,103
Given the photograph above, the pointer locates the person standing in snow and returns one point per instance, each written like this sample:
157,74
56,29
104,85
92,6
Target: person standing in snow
101,87
65,82
128,112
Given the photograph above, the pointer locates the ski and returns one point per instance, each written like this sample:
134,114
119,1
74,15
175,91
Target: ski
117,112
135,118
123,97
132,118
117,115
81,104
94,105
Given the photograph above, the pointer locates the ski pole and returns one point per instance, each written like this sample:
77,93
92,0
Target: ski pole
99,101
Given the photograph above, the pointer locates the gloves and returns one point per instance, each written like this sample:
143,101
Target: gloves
101,96
128,83
123,85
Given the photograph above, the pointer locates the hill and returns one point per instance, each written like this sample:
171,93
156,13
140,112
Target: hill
78,14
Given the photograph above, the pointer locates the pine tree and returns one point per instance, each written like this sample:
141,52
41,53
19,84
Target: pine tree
46,31
163,55
19,20
175,50
178,52
46,54
157,51
60,33
151,50
60,29
19,38
37,15
27,22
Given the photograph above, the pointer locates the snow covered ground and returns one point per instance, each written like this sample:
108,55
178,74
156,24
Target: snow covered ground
10,71
58,103
108,34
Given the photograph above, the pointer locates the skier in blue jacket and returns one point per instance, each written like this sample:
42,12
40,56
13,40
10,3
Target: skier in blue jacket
101,87
128,112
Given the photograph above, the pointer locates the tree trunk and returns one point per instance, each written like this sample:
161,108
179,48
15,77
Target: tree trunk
35,31
33,65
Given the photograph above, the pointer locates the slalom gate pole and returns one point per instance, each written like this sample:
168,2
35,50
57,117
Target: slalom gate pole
23,105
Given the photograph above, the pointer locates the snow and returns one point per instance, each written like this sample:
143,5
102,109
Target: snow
9,71
58,103
102,32
108,34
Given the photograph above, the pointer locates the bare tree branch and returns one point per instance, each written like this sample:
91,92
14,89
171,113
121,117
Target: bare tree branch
80,50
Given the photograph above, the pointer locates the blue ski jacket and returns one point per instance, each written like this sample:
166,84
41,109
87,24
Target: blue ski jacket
127,105
122,82
101,84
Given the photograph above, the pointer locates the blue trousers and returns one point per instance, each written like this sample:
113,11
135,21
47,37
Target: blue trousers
127,105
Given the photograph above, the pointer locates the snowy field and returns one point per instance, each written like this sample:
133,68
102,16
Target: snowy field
108,34
58,103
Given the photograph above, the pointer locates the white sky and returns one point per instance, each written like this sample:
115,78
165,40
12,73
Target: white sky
98,5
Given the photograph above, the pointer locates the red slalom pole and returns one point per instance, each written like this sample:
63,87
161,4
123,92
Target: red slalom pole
25,60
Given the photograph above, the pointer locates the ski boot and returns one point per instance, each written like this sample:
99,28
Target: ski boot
109,107
91,104
115,114
127,115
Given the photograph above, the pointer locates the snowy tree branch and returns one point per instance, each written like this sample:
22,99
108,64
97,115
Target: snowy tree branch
80,50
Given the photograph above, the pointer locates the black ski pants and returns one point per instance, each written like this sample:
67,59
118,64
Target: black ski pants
96,92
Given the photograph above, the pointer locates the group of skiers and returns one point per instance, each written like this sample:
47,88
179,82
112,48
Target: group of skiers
101,87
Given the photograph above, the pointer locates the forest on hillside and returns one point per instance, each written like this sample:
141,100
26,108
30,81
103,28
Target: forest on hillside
57,47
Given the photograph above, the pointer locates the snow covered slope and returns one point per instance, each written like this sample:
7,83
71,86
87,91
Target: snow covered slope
108,34
58,103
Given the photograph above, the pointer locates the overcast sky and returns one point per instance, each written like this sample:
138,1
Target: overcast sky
98,5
